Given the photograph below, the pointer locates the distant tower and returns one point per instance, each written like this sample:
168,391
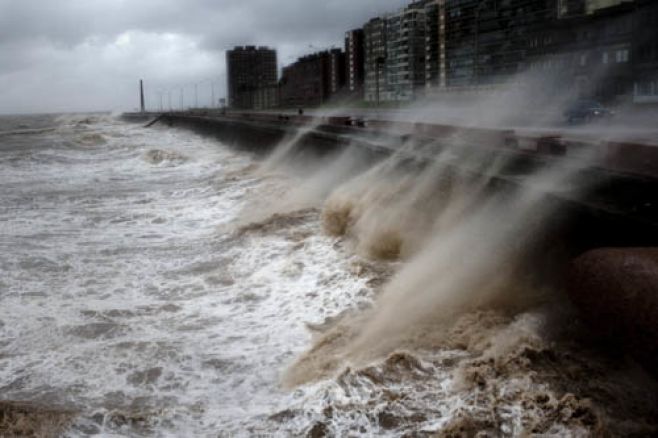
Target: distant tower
141,95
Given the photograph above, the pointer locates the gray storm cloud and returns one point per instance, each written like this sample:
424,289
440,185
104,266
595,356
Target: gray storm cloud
81,55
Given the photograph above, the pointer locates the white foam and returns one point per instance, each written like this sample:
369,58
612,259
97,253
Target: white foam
124,288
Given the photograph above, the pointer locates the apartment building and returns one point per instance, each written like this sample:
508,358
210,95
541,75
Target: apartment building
354,63
374,59
252,77
313,79
405,52
435,57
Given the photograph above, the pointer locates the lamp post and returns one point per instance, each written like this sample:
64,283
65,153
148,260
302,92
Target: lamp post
160,97
141,96
379,62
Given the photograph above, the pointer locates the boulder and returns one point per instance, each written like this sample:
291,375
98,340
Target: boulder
616,291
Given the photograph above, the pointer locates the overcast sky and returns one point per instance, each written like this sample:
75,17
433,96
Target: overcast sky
84,55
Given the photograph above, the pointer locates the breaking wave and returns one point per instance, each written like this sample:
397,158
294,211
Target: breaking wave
469,301
92,139
29,419
488,372
171,158
30,131
206,298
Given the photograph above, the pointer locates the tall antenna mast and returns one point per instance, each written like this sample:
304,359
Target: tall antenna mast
141,95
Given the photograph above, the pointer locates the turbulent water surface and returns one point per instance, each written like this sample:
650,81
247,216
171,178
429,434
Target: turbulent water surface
150,288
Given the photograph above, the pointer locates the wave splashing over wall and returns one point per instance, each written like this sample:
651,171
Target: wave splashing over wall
467,241
468,304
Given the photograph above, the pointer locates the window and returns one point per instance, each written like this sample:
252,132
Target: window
621,55
583,60
605,58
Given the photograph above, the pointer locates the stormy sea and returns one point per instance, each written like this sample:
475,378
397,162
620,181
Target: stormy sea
155,282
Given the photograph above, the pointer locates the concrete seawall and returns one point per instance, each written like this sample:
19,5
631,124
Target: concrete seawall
620,208
619,211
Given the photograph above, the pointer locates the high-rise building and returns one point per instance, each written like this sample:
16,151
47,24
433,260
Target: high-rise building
461,36
435,57
488,41
405,52
374,48
395,54
335,72
590,55
594,5
442,44
645,52
313,79
354,63
570,8
504,36
593,48
252,77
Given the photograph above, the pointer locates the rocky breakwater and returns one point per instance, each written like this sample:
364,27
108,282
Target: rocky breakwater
616,290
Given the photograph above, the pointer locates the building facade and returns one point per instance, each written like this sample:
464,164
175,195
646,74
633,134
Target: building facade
571,8
460,37
405,53
592,6
397,48
645,52
354,63
603,44
313,80
591,54
585,45
252,77
335,71
603,49
374,59
435,56
487,41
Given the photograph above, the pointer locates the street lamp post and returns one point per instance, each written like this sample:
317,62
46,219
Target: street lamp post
379,62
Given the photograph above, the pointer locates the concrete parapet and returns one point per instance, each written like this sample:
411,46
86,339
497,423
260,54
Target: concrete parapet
240,132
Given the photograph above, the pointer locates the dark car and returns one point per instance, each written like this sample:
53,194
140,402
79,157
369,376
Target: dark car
586,111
